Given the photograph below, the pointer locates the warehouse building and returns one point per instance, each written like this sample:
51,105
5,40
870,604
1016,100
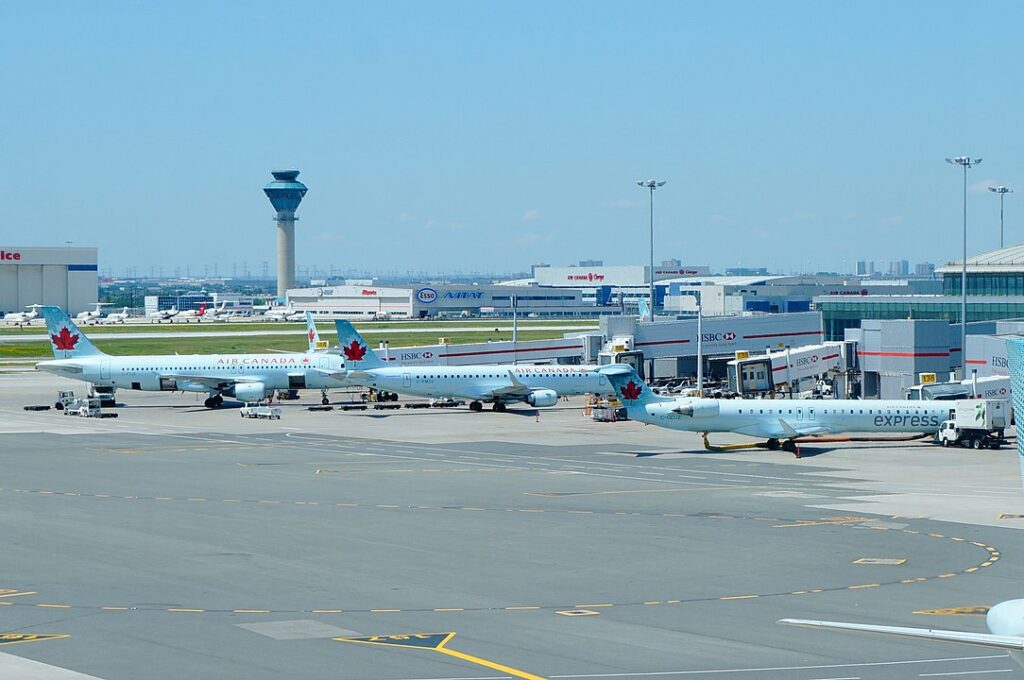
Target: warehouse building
438,301
65,277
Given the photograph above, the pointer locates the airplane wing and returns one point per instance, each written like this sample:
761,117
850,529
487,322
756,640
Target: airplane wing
1007,642
515,390
782,429
213,382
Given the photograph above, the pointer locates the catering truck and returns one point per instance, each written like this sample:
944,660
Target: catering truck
977,423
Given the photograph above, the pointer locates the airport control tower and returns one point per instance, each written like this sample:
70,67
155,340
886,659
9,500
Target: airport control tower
285,194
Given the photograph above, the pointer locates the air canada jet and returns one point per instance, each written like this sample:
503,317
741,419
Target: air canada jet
246,377
1005,621
774,420
498,384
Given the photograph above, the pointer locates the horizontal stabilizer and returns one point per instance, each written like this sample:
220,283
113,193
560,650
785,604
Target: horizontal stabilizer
1007,642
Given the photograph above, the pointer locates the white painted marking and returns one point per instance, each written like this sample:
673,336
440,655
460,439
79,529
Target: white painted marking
932,675
12,666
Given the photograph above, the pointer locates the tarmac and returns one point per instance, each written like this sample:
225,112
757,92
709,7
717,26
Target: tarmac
175,541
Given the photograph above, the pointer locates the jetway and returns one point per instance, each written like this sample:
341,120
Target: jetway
786,369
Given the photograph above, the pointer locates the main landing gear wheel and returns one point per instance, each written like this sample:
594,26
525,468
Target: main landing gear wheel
499,407
773,444
790,445
476,406
212,402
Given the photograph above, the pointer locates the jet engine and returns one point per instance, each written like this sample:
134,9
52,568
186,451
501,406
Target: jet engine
247,392
542,398
699,408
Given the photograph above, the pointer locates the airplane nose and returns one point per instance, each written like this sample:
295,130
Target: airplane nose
1006,618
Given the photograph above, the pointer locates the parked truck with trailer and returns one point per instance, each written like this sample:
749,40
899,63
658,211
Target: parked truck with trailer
975,423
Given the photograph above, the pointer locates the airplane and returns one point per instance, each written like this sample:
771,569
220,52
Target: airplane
118,317
775,420
315,343
90,314
246,377
23,317
499,384
283,314
220,312
163,314
189,314
1005,620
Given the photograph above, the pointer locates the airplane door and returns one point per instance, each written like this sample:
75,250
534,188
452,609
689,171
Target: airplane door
810,414
407,380
799,413
105,370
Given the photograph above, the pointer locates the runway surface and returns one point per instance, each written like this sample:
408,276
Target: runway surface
175,542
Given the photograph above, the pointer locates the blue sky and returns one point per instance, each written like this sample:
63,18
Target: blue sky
487,136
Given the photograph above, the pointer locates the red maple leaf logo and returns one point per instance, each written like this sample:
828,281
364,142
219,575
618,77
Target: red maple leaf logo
354,351
630,391
65,340
312,334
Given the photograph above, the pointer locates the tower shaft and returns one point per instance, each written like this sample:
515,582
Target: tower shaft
285,251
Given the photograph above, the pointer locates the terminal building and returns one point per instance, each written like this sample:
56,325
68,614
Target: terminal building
995,290
437,300
65,277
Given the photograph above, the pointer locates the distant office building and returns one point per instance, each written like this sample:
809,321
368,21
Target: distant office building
591,263
924,269
865,268
899,268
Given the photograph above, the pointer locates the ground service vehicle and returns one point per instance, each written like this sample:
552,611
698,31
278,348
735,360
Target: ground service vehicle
977,423
262,412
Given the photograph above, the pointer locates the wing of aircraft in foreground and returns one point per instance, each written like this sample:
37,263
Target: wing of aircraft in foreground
1008,642
781,429
515,390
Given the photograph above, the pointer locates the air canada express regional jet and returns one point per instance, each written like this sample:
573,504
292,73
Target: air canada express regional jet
775,420
499,384
247,377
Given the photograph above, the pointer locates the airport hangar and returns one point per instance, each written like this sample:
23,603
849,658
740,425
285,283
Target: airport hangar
66,277
423,301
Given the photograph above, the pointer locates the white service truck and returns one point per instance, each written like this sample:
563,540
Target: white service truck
977,423
88,407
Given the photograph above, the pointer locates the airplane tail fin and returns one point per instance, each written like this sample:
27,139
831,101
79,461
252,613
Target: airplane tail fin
66,340
629,388
315,344
357,353
1015,359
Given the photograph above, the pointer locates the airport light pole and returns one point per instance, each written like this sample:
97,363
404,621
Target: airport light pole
966,162
1002,191
651,185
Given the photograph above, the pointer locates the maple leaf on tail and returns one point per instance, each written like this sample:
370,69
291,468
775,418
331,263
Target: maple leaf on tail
312,334
65,340
354,351
630,391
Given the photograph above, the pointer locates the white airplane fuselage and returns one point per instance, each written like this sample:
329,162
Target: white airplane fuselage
477,382
833,415
149,373
839,415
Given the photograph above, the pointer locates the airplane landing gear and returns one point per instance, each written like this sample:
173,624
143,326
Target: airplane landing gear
323,398
772,444
476,406
792,447
499,406
214,401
